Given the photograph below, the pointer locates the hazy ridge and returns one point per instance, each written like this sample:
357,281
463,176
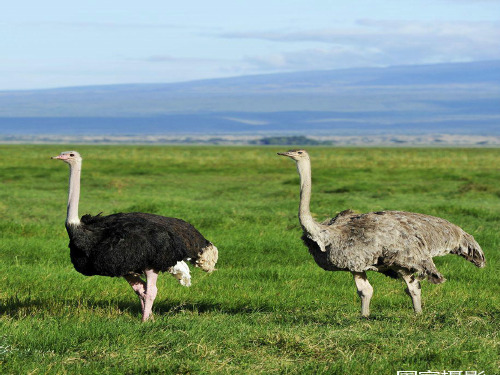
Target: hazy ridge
459,99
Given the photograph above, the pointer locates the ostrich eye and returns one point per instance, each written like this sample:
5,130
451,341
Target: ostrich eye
71,154
300,152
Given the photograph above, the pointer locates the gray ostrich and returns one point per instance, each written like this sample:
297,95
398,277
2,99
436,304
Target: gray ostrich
132,244
395,243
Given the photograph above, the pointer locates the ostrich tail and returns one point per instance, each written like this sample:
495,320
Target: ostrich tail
470,250
207,258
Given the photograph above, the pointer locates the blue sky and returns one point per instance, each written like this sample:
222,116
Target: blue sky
56,43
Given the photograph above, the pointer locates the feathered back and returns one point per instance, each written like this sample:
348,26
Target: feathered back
122,243
386,241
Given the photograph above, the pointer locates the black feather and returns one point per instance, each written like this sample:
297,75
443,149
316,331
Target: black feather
125,243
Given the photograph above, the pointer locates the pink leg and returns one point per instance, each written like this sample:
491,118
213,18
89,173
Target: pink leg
414,291
150,295
139,287
365,292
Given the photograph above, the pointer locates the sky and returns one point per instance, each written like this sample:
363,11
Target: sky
60,43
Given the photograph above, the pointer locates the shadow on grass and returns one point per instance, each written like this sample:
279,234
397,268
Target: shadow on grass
16,307
30,307
166,307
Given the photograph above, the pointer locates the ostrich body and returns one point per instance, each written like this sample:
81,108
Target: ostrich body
395,243
132,244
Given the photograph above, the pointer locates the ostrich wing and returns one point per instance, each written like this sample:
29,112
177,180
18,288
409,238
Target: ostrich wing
119,244
343,216
391,240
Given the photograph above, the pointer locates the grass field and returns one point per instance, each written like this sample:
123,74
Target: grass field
269,308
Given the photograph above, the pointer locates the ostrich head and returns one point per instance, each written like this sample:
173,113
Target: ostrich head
70,157
296,155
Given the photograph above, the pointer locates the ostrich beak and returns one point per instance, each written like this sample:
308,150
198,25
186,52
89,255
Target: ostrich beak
285,154
60,157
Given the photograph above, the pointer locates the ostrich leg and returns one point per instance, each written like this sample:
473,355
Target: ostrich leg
150,295
414,291
365,292
139,287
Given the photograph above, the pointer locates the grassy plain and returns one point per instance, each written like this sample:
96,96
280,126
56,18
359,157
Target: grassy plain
269,308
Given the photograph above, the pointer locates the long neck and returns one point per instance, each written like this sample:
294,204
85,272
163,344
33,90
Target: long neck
306,220
74,194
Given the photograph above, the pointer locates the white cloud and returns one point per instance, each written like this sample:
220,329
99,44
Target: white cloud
379,43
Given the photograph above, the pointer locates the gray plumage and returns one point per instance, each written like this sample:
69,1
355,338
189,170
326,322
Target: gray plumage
395,243
388,240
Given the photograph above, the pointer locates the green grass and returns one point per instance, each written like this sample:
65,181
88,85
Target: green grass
269,308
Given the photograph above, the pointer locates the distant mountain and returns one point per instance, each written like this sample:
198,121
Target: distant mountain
459,98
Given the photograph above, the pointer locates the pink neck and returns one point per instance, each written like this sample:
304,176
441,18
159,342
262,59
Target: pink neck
74,194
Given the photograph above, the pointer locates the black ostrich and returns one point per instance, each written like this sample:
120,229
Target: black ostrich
132,244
